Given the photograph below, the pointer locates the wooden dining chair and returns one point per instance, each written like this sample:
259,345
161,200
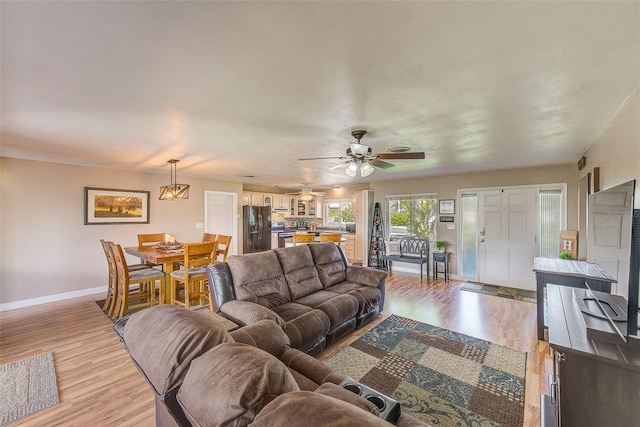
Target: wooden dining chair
192,279
150,239
331,237
135,290
303,238
209,237
109,305
224,243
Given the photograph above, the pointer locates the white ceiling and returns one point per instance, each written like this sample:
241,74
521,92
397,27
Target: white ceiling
246,88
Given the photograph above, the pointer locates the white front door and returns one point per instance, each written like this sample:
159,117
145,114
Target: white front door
220,213
507,237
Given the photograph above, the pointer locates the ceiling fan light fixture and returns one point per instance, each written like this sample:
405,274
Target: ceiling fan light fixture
174,191
366,169
359,149
352,169
306,196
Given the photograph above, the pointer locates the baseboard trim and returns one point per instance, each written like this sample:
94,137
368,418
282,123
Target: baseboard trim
52,298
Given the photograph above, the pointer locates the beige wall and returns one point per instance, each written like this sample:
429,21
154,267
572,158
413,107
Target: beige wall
45,247
447,187
617,151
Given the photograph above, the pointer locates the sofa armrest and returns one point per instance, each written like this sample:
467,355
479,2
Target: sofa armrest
246,313
310,367
266,335
366,275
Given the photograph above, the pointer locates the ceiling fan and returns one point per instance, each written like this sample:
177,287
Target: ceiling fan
359,157
306,193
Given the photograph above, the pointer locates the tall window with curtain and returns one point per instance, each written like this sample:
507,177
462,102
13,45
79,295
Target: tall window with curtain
550,222
413,215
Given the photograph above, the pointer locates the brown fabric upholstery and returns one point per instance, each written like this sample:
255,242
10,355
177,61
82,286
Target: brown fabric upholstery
185,335
245,312
368,297
329,263
307,330
366,276
340,309
299,408
299,271
257,277
337,392
231,383
311,368
265,335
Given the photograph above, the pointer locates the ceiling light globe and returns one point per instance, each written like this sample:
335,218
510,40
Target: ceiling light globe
366,169
352,169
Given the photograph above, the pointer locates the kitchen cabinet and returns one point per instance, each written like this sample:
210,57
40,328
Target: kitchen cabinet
350,248
250,198
280,202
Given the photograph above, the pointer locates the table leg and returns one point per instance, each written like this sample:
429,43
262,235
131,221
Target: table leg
540,304
165,297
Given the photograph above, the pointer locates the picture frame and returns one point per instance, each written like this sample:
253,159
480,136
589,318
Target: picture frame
114,206
446,207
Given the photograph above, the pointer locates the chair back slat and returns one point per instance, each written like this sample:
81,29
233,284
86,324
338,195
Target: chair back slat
150,239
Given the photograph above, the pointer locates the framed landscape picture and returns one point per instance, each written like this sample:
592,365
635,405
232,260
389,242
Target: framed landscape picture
447,207
112,206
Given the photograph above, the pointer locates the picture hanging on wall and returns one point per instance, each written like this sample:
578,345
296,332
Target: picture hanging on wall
447,207
113,206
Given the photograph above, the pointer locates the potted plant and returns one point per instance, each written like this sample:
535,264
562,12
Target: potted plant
565,255
440,245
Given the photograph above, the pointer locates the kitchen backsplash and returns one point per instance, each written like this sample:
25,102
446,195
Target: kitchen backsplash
298,222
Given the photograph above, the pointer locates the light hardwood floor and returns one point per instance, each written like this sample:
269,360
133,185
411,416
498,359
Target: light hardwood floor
100,386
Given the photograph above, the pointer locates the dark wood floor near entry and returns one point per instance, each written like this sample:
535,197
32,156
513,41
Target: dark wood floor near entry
100,386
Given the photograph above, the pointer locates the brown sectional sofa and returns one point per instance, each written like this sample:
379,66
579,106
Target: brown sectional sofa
202,375
311,291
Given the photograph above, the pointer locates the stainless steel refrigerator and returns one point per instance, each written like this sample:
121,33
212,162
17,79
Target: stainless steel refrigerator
256,229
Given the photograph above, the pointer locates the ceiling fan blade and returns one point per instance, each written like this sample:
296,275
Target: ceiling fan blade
399,156
322,158
381,164
339,164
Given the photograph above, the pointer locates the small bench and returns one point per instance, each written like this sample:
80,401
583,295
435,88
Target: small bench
411,250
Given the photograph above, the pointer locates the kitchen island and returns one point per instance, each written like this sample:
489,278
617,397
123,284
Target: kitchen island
285,239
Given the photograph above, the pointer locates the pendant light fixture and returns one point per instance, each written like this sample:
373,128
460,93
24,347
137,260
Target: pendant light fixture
174,191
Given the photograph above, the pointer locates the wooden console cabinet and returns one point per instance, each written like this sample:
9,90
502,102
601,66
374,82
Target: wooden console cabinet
596,375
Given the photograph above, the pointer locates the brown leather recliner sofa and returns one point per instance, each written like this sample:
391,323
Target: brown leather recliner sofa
202,375
311,291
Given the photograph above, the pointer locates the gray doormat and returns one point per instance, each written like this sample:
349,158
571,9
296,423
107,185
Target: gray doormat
26,387
500,291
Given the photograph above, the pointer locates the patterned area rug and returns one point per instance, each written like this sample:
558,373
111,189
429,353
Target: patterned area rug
439,376
26,387
500,291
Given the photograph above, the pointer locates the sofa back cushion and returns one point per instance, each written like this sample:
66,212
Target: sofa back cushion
230,384
299,270
258,278
165,339
329,263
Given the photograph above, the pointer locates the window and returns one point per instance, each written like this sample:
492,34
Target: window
550,223
413,215
468,219
338,213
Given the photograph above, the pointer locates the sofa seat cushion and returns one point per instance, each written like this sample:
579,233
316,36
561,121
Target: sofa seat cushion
299,271
339,307
307,329
316,298
257,277
231,383
329,263
367,296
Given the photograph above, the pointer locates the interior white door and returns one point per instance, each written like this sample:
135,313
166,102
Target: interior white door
609,222
220,213
507,237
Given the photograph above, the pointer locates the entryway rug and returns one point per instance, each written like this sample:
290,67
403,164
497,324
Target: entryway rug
26,387
500,291
441,377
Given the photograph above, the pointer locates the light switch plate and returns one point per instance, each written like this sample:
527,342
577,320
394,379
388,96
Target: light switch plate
451,226
199,225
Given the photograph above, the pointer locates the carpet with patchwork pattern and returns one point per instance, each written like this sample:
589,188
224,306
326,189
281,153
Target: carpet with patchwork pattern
439,376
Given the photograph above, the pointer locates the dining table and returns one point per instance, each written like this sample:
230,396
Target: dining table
163,257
